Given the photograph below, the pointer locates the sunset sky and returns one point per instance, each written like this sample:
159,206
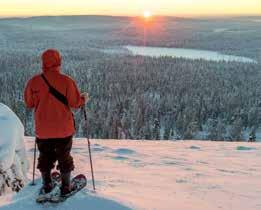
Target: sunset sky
129,7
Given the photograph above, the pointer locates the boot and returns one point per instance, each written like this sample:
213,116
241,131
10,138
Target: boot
66,184
47,182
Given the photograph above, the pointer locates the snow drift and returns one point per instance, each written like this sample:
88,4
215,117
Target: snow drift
13,162
157,175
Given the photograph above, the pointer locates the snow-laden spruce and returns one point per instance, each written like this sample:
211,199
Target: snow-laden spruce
13,162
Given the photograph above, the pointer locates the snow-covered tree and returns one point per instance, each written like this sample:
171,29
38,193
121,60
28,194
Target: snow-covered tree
236,130
13,161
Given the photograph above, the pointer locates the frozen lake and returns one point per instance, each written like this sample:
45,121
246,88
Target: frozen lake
186,53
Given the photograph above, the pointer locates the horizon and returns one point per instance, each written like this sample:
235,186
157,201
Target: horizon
136,16
186,8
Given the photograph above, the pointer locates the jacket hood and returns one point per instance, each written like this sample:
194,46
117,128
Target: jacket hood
51,60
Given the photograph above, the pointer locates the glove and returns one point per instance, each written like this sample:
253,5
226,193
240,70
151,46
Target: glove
85,96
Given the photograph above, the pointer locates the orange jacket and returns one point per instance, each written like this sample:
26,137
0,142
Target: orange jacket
52,118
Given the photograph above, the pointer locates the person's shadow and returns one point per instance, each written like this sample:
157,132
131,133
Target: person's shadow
25,200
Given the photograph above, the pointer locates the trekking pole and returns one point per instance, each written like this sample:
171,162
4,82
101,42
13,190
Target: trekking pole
89,146
27,112
33,182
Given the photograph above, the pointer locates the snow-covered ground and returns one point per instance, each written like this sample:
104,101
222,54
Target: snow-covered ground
160,175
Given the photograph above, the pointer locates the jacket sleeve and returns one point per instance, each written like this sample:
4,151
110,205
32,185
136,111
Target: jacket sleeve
74,96
28,95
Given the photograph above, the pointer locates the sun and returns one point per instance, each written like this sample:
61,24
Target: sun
147,14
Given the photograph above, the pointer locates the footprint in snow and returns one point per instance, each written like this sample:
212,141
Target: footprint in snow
243,148
99,148
195,147
77,148
181,181
124,151
120,158
170,163
203,162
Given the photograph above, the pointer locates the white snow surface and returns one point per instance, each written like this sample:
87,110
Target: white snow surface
13,161
157,175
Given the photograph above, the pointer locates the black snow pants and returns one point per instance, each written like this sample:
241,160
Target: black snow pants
52,150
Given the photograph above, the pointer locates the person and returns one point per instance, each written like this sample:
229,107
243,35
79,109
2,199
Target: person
54,122
252,137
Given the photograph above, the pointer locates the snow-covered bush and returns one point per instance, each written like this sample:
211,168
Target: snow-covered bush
13,162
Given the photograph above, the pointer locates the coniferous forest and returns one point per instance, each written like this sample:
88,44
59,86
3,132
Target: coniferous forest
137,97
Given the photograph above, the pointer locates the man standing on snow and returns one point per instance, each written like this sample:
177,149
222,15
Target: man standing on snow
52,95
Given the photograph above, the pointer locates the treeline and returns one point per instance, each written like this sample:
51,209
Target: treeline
134,97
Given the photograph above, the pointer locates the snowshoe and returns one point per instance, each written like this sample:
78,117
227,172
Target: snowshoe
45,197
77,184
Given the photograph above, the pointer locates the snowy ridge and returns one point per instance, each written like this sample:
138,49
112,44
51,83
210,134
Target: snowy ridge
160,175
